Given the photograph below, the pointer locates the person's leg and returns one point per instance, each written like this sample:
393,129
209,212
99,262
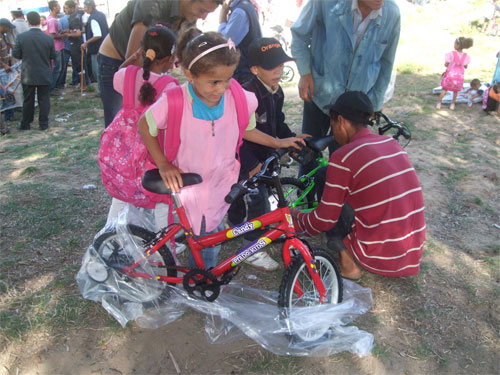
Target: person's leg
95,71
43,95
317,124
209,255
56,70
112,101
61,80
28,106
452,105
258,204
3,126
441,96
76,55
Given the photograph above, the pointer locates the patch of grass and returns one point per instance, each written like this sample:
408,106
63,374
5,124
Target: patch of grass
28,171
409,67
452,176
478,201
380,352
422,350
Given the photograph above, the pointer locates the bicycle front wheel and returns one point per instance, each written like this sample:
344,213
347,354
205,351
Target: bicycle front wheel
116,250
298,290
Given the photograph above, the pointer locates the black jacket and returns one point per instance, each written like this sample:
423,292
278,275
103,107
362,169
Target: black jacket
36,49
93,48
270,120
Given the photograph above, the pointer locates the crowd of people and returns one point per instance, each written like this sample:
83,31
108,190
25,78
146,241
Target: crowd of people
232,104
46,46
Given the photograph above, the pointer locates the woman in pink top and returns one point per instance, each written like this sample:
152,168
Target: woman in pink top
455,62
208,134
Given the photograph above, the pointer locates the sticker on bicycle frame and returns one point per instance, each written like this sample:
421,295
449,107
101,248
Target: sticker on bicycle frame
313,266
289,219
250,250
243,228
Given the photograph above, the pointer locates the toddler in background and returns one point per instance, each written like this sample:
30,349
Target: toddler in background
473,92
455,62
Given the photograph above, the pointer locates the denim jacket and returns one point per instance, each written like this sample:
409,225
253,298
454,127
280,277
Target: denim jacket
323,44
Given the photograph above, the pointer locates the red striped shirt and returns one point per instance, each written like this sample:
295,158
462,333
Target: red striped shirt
375,176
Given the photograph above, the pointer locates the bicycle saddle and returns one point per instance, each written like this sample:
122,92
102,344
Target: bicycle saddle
151,181
319,144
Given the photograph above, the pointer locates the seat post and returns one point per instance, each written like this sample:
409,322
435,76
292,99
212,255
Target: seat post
176,200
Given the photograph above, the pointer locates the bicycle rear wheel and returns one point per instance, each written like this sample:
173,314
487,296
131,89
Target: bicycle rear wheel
298,290
116,250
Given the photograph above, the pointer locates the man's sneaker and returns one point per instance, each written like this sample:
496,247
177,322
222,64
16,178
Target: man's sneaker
262,261
179,248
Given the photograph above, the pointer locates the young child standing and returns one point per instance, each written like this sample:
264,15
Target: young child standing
455,62
209,133
158,44
266,59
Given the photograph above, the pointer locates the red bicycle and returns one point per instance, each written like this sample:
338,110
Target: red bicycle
311,277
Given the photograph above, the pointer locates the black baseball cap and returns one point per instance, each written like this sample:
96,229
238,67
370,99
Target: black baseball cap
6,23
267,53
354,106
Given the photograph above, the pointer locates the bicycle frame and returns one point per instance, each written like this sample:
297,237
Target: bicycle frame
280,216
310,183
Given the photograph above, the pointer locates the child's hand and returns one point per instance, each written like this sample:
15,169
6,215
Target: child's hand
171,176
294,142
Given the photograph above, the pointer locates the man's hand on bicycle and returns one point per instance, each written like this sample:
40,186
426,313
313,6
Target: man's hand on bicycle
171,176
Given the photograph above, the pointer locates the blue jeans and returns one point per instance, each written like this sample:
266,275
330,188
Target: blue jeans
56,70
209,255
95,70
317,124
112,101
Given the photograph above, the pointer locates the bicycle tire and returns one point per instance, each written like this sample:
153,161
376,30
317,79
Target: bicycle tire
293,188
289,300
110,247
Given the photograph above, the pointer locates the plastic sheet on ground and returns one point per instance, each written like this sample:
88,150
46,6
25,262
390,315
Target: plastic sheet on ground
240,311
462,96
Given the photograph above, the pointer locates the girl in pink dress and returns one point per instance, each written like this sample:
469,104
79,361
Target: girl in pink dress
455,62
209,132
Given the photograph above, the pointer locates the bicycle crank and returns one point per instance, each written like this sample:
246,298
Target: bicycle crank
201,284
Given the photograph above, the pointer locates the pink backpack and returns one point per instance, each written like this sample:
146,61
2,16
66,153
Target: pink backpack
121,142
453,78
136,160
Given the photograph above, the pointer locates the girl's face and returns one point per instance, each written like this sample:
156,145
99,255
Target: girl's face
211,85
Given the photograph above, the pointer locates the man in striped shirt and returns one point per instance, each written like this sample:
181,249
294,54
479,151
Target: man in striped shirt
372,197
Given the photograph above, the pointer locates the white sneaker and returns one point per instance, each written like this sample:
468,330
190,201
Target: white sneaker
438,106
452,107
262,261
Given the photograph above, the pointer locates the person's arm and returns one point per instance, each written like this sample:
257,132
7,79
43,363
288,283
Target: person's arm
170,174
236,27
134,41
377,93
96,32
263,139
302,31
326,214
53,29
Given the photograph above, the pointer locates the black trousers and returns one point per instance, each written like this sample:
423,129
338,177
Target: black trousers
43,95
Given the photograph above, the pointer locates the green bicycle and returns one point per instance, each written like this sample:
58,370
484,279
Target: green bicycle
300,192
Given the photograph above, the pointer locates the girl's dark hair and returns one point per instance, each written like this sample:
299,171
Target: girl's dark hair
161,40
465,43
191,43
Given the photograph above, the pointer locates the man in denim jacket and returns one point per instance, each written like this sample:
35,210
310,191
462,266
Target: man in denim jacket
339,46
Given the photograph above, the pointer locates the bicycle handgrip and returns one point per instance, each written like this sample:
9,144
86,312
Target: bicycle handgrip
405,133
236,192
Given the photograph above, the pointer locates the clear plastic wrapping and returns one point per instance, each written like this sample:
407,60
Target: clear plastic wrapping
239,310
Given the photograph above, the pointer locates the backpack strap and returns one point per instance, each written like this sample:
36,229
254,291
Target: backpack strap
162,82
240,100
170,138
129,87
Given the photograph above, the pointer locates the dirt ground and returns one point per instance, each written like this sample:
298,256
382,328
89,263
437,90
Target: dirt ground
445,320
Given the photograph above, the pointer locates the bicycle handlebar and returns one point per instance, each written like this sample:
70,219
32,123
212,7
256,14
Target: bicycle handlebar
390,124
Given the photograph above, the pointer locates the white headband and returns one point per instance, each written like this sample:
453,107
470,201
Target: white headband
229,44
